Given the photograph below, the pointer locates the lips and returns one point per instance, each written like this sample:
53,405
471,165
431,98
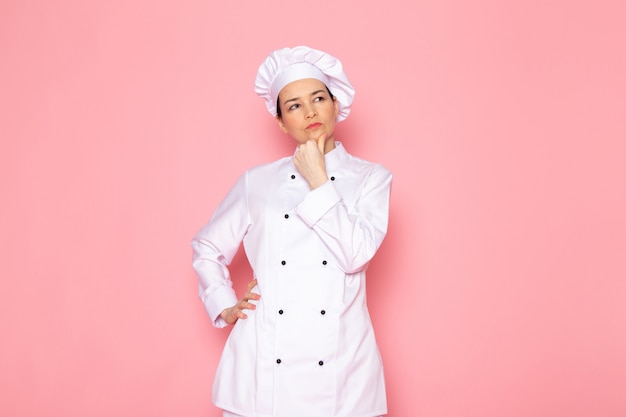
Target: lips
313,125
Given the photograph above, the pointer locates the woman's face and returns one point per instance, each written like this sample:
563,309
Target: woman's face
308,111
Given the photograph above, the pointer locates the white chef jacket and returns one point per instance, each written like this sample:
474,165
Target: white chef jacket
308,350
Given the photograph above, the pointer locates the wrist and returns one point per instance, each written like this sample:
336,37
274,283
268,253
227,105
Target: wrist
318,182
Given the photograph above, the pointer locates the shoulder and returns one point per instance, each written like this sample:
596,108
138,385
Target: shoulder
270,168
371,168
356,163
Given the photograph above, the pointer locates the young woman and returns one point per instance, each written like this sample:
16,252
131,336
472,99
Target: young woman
302,344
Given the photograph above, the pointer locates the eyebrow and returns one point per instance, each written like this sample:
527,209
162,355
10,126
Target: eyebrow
298,98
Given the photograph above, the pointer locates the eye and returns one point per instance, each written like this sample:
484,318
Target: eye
319,98
293,107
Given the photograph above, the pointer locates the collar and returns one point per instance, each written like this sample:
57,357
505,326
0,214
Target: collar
335,158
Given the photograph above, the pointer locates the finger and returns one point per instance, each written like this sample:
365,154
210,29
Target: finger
233,315
321,142
251,296
249,306
238,312
244,302
301,152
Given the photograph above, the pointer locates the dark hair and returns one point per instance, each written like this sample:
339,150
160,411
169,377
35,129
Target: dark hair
279,113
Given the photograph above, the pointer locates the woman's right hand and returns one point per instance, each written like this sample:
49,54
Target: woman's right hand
234,313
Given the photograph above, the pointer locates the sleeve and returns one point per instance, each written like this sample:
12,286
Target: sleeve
214,247
353,235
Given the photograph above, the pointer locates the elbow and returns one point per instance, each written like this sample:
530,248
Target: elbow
356,263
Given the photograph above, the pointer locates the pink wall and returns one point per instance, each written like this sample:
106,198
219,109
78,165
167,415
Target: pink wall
501,288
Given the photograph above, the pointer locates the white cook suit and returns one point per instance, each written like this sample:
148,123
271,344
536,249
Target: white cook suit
308,350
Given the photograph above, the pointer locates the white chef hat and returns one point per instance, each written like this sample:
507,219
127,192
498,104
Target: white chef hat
291,64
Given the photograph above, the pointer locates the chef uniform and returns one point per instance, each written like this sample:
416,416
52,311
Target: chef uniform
308,349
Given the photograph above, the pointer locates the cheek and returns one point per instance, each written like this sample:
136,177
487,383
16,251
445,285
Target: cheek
281,126
334,110
286,125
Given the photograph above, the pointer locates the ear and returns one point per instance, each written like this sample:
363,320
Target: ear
281,125
336,104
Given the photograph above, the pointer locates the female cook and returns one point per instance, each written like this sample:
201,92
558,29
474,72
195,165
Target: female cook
302,344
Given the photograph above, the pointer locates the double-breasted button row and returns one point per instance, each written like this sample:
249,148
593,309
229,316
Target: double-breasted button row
324,262
279,361
281,312
293,177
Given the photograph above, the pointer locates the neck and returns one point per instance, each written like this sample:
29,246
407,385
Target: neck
329,145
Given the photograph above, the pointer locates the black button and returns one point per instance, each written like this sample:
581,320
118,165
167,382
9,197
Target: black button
332,178
280,311
283,262
323,312
293,177
321,363
278,361
286,216
324,262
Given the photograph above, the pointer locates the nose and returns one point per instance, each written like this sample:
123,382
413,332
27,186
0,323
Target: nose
310,112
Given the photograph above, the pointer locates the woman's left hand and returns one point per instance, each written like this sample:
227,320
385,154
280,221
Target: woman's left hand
309,161
236,312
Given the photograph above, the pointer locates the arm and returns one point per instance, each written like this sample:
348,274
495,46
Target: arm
214,247
353,235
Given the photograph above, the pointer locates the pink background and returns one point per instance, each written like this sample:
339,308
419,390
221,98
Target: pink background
501,287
